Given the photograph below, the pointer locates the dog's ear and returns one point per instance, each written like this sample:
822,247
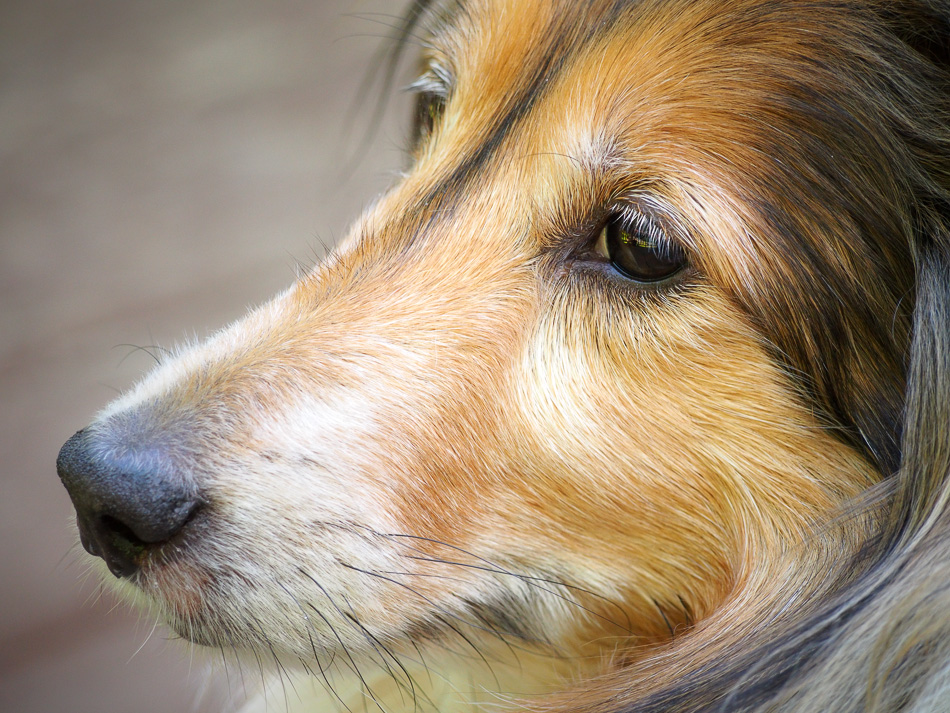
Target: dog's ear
923,25
924,483
922,104
871,629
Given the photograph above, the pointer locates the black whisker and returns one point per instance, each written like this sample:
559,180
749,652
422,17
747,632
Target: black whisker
442,613
413,690
226,634
528,579
134,348
257,655
313,647
372,640
665,619
687,610
385,63
346,651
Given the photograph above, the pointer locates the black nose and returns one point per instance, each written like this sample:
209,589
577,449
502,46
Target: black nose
128,502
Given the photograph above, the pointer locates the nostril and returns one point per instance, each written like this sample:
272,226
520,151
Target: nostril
120,530
117,545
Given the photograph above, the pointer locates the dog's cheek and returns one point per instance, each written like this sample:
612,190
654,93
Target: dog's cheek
665,447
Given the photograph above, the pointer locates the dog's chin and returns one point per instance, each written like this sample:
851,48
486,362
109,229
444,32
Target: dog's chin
213,635
194,633
173,590
248,641
201,624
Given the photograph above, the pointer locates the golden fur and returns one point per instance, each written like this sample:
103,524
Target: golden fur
466,461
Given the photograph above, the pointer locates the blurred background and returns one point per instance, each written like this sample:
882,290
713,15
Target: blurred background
163,166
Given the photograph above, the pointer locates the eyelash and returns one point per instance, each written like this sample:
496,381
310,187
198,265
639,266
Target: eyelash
635,221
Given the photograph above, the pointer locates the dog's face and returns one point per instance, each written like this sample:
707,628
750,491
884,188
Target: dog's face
603,352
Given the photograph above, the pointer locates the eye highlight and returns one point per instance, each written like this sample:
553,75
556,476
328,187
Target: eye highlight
638,249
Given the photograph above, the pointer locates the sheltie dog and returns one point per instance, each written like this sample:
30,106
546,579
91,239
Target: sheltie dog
632,395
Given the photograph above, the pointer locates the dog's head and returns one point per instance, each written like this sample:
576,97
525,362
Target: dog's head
634,324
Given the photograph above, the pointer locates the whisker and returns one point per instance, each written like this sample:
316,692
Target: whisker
135,348
533,582
282,673
226,634
665,619
443,615
413,690
687,610
372,640
495,568
148,637
313,647
343,646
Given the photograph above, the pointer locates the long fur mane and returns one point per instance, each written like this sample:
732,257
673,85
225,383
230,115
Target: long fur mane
870,632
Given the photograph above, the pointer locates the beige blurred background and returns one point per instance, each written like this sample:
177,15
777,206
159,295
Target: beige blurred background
163,166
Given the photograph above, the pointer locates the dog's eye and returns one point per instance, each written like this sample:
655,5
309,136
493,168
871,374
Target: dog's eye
429,109
639,250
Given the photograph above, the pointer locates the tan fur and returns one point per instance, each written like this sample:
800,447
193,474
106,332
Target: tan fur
453,412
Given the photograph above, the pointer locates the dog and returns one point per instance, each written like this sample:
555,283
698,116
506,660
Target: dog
632,395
